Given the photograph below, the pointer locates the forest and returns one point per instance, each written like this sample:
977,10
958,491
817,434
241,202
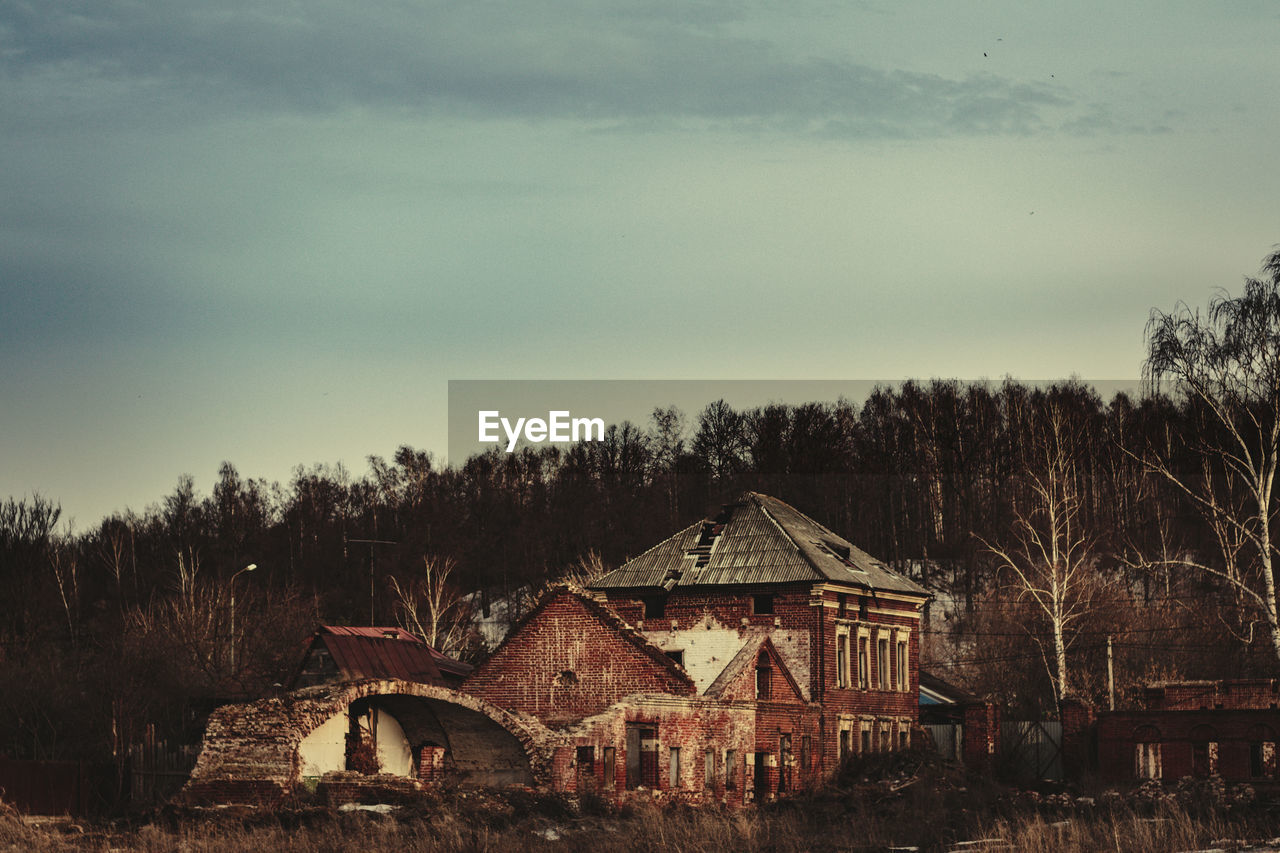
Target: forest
1050,524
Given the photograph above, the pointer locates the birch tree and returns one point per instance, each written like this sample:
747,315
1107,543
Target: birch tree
1049,554
1226,368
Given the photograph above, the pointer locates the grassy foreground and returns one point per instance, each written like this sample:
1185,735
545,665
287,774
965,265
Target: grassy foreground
903,801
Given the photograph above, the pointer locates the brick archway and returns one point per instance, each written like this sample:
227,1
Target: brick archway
250,752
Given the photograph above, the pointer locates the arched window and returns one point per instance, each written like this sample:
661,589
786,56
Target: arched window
1146,752
1262,751
1204,752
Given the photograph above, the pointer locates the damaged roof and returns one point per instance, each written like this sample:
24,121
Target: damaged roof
756,540
373,652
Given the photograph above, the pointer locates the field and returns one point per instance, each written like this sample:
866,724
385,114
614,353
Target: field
903,803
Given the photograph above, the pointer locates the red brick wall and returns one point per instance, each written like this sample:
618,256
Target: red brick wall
565,664
1232,728
1192,696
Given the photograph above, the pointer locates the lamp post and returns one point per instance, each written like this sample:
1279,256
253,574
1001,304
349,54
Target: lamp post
232,586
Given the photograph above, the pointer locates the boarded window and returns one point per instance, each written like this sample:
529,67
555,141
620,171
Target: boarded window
709,769
674,767
731,769
806,744
610,768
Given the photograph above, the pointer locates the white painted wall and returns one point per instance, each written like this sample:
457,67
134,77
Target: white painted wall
394,753
325,749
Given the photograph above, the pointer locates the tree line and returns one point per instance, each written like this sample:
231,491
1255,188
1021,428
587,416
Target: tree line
1049,522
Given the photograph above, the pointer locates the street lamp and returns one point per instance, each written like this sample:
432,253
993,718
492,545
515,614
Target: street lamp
232,585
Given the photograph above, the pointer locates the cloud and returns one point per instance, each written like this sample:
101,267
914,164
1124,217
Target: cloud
654,64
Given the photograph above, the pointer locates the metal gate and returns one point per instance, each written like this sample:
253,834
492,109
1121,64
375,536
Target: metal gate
1031,750
948,739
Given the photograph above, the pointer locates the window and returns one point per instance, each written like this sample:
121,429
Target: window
864,662
806,747
844,743
904,672
762,604
1262,751
764,678
866,740
886,739
642,755
677,655
731,769
842,659
882,662
709,769
1146,749
784,762
674,766
586,761
842,604
1204,752
655,607
610,768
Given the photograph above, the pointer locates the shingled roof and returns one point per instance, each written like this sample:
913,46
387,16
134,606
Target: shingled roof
756,540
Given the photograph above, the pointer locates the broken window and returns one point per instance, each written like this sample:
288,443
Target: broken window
844,743
762,604
764,678
585,757
655,607
1204,752
642,755
1147,752
677,655
1262,751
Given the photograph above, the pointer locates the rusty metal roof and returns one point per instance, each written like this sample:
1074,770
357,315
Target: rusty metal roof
755,540
374,652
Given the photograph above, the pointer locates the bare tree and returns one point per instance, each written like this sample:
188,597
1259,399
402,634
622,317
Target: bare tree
1050,555
430,607
1226,367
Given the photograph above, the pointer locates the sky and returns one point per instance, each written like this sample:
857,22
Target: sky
271,232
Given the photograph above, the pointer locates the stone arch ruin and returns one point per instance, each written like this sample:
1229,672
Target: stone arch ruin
262,751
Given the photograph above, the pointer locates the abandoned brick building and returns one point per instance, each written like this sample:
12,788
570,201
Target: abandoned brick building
738,659
1188,728
735,661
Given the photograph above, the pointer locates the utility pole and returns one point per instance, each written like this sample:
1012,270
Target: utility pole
1111,677
371,543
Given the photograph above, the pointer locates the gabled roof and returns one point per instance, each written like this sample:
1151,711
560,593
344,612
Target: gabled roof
373,652
756,540
608,618
746,659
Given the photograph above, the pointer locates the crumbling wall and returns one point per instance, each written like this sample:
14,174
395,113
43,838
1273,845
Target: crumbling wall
251,753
